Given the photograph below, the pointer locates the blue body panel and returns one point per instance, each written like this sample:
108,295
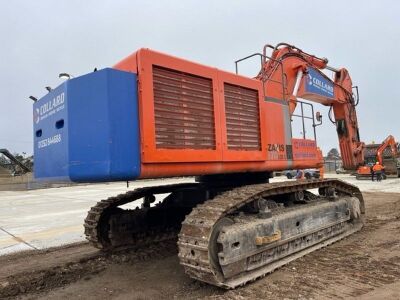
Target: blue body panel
318,84
87,129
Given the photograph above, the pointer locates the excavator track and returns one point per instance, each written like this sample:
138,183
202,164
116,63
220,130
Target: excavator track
104,232
211,217
207,245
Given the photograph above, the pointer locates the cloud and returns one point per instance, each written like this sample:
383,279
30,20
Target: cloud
42,38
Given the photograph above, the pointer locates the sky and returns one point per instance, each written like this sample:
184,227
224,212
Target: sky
41,38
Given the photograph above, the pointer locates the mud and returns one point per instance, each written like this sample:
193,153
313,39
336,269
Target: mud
363,266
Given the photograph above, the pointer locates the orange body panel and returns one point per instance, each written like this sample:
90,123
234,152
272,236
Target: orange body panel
273,124
364,170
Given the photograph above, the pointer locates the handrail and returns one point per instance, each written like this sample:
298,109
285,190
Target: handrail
262,61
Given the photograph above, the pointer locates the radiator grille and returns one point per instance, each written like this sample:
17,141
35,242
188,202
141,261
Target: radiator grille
183,109
242,118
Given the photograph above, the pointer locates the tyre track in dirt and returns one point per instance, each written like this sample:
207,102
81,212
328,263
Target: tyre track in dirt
350,268
360,266
40,271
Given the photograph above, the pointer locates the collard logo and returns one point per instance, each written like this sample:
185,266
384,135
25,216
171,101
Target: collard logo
36,115
309,79
318,84
49,108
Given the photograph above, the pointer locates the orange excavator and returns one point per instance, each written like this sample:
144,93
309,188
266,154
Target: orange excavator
154,115
386,154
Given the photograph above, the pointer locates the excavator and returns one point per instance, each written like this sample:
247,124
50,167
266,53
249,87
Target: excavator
386,153
153,115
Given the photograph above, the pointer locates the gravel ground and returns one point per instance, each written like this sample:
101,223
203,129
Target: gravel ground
365,265
52,217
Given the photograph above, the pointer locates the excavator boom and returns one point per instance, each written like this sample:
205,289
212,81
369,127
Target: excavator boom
388,142
15,161
305,80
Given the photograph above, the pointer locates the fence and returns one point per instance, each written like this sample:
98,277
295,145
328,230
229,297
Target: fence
331,165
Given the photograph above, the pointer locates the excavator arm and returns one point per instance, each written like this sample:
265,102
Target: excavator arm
300,74
388,142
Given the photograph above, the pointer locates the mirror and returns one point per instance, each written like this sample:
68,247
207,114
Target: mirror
318,116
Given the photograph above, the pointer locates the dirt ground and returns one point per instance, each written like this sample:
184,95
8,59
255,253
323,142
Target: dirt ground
363,266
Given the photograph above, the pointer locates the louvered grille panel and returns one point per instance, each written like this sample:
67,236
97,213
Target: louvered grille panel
242,118
183,109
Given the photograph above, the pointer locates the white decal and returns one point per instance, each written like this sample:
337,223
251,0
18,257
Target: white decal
49,108
55,139
36,115
320,84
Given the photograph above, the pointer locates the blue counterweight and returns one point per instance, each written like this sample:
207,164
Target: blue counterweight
87,129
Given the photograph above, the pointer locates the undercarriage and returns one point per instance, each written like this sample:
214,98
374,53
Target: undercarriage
233,231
